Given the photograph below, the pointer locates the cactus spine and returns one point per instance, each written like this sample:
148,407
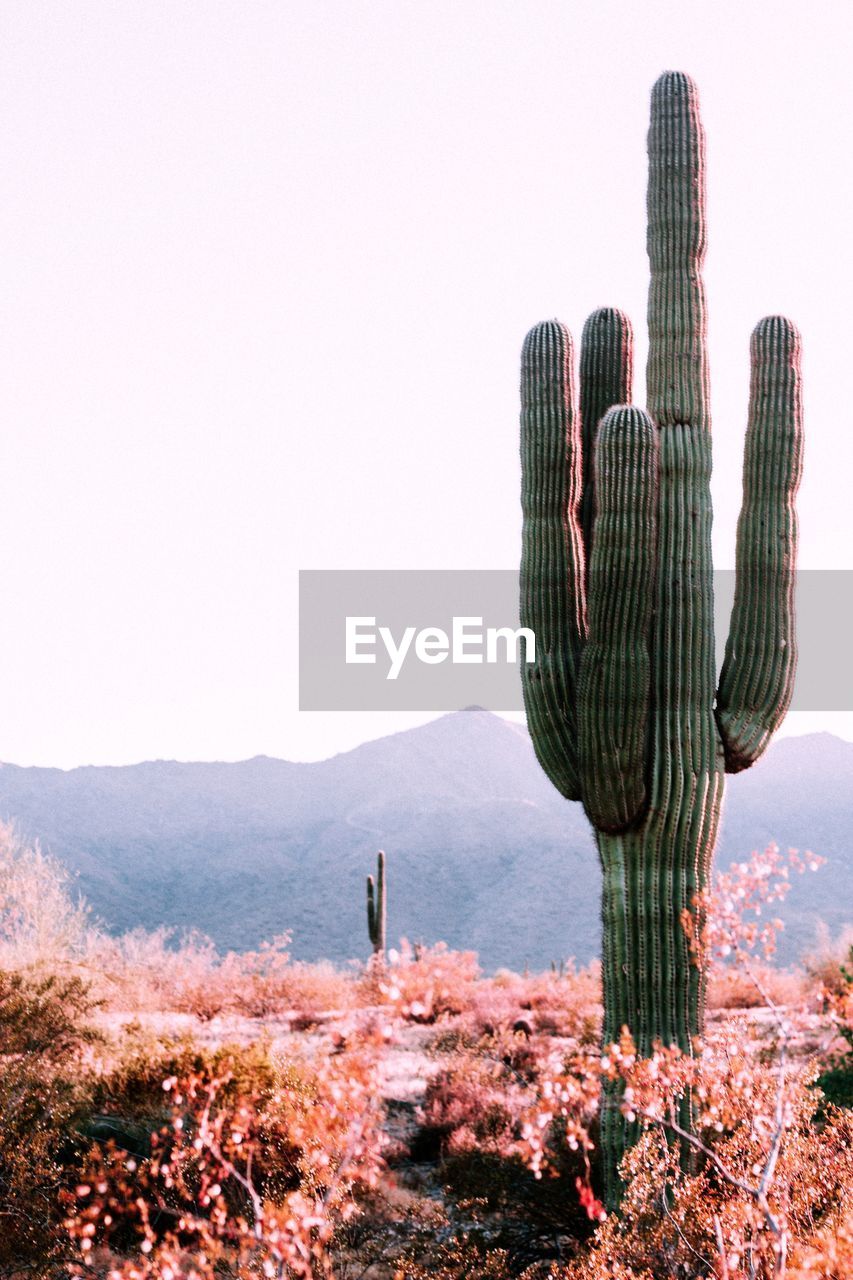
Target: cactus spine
616,585
376,907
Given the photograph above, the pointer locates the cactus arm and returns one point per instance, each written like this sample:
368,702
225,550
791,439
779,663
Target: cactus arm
371,910
553,601
757,679
677,371
606,376
615,681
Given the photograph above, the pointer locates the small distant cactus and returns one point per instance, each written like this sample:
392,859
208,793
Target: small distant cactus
376,907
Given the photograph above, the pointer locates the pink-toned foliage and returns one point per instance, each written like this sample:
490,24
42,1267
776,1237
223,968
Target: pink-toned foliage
423,984
257,1182
732,1170
267,1158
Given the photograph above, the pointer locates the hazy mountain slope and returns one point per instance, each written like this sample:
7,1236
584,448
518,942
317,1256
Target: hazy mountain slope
482,851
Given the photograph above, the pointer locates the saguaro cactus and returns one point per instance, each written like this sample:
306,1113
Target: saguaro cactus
376,907
616,585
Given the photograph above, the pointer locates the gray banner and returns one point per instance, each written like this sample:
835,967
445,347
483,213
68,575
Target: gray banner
439,640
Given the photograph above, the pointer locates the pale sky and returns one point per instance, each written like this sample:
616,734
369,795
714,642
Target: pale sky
267,268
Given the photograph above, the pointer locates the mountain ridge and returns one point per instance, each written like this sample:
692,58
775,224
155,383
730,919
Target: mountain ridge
483,852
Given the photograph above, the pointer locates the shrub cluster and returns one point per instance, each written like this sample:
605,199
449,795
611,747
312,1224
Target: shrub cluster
132,1154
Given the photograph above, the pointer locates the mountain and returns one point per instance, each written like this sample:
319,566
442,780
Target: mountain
482,851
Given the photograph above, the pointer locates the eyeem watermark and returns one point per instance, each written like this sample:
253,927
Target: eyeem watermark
431,640
468,642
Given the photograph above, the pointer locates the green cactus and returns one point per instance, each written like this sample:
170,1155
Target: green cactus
376,907
616,586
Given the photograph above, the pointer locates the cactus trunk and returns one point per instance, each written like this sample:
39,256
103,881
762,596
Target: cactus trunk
652,983
652,873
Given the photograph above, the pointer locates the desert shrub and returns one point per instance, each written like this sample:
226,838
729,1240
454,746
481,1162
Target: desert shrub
423,984
673,1224
729,922
458,1035
155,972
129,1081
836,1081
43,924
150,1103
42,921
826,1253
131,971
311,989
836,1084
473,1120
186,976
252,982
766,1173
830,962
145,971
731,987
245,1176
44,1015
764,1168
38,1151
507,1209
394,1223
564,1004
458,1257
45,1041
472,1102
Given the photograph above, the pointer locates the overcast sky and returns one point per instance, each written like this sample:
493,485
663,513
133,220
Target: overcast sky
266,272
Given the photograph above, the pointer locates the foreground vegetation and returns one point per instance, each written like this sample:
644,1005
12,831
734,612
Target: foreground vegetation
167,1112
